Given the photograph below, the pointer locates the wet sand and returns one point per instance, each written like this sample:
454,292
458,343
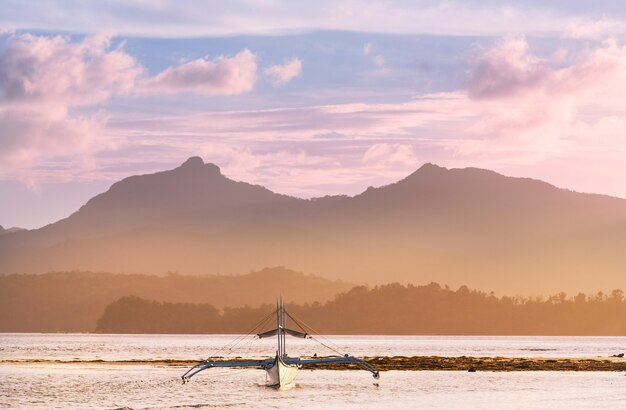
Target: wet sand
383,363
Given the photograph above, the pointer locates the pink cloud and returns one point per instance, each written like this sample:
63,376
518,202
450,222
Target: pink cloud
593,29
526,98
362,121
41,78
282,74
510,71
533,111
507,70
222,76
520,112
44,80
34,69
386,155
280,148
30,139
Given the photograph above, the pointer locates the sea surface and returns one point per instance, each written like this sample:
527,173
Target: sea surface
31,384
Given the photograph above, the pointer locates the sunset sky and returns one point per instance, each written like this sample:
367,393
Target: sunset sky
308,98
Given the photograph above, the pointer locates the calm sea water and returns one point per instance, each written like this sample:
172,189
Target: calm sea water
85,385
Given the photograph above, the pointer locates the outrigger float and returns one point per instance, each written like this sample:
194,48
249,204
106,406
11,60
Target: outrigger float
281,369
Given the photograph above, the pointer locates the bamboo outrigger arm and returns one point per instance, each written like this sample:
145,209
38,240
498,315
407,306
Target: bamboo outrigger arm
208,364
339,360
267,363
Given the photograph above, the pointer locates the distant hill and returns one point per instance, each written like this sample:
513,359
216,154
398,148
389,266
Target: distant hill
473,226
389,309
73,301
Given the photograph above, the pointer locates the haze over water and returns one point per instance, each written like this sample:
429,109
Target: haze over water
84,347
142,386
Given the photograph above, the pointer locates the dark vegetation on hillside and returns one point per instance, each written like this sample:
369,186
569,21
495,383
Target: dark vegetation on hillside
390,309
73,301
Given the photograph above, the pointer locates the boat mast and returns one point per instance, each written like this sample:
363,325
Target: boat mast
282,309
278,352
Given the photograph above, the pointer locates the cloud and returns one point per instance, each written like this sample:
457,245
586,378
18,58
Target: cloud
221,76
33,140
307,151
507,69
330,136
518,109
387,155
519,112
295,170
510,71
187,18
593,29
282,74
378,60
359,120
37,69
52,90
41,80
529,109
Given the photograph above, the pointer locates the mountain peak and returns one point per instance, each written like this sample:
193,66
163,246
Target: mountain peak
428,169
193,162
430,165
197,164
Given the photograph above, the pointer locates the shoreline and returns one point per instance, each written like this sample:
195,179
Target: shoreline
405,363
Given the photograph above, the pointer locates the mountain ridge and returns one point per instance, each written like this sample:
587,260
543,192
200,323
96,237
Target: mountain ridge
458,226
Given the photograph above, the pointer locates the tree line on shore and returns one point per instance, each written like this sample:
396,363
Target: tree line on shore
73,301
388,309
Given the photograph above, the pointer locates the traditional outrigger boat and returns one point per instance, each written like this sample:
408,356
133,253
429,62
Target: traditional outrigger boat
281,370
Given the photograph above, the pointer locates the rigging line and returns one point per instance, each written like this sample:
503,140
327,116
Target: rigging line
301,323
236,340
328,347
253,339
260,325
242,343
226,348
296,322
316,339
241,339
328,344
251,333
317,333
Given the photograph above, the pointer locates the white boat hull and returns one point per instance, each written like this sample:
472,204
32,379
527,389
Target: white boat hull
281,375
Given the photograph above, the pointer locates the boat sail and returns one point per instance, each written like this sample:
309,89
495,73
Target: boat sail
281,370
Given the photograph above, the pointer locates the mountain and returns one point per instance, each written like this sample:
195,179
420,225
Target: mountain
194,192
456,226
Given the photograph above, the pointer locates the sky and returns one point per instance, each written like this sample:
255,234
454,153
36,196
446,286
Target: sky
305,98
